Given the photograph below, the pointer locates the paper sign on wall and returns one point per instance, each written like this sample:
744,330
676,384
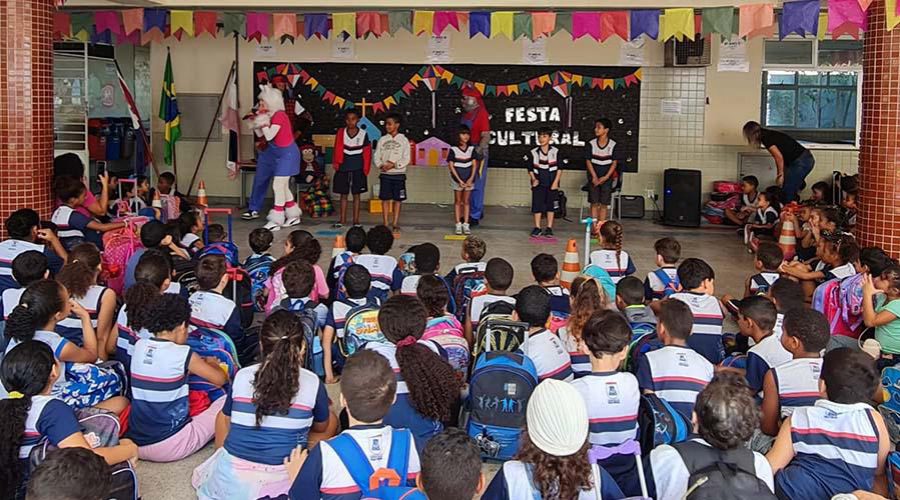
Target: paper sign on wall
438,49
632,53
670,107
733,55
342,48
266,50
535,51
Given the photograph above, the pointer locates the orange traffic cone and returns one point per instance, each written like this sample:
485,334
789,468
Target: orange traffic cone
201,195
339,246
570,267
787,240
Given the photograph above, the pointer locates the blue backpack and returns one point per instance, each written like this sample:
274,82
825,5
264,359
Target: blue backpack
384,484
259,270
468,283
209,342
670,285
499,390
660,423
314,360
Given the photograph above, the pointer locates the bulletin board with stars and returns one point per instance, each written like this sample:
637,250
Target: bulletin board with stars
519,99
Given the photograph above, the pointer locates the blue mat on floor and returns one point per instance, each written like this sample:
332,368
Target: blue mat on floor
329,232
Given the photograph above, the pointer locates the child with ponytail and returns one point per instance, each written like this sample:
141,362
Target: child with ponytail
31,414
79,276
427,387
43,305
588,297
273,407
611,258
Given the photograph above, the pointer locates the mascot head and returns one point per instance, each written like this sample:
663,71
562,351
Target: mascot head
308,153
272,98
471,99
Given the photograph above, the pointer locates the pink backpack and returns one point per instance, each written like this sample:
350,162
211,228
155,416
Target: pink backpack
833,299
448,333
118,247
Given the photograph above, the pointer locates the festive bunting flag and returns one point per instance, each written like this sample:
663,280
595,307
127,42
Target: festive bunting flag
585,23
234,22
801,17
154,36
168,111
205,22
718,20
378,107
182,23
155,19
480,22
544,80
329,95
258,26
315,25
101,37
891,17
755,18
614,23
563,22
131,39
490,90
645,22
542,24
841,12
423,22
522,25
846,29
284,25
390,101
823,25
344,22
399,20
678,23
62,25
512,89
369,22
132,20
445,18
108,20
502,24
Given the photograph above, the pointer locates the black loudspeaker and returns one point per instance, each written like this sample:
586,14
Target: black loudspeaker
632,207
681,197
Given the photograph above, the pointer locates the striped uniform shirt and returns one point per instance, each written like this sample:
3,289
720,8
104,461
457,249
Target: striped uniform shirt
276,435
67,226
9,250
127,338
544,164
612,400
353,150
676,374
514,482
761,282
340,309
550,358
601,157
48,418
778,329
797,382
617,268
654,288
463,160
10,299
581,362
478,304
560,301
57,343
706,334
159,388
213,310
386,275
70,327
836,451
761,358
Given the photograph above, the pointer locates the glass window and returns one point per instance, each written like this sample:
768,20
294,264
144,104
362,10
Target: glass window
817,106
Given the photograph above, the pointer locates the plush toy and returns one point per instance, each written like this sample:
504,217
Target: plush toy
316,200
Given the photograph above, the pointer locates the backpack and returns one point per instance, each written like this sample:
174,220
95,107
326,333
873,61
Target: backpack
448,333
660,423
340,291
467,284
718,474
259,271
314,359
499,390
209,342
603,277
360,328
118,247
762,286
670,285
499,333
640,345
387,483
851,305
893,473
101,428
828,300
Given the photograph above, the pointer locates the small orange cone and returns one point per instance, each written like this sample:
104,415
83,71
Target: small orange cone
787,240
201,195
570,267
339,246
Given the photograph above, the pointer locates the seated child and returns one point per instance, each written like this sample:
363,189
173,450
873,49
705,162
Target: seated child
386,274
674,372
259,265
27,267
725,419
153,277
544,348
787,295
498,276
698,281
839,444
763,222
443,327
136,200
545,269
820,192
368,388
215,233
588,297
357,283
79,277
427,387
273,407
159,421
71,474
25,233
156,265
756,318
611,258
154,234
190,227
299,279
553,457
451,467
885,317
473,250
427,261
299,245
849,208
75,227
839,255
355,242
664,281
769,258
611,397
211,309
749,200
630,300
165,185
795,384
32,414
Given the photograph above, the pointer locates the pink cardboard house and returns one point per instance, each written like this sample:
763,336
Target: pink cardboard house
432,152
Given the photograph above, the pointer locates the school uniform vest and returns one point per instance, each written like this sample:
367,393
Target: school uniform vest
612,401
70,327
381,268
159,388
544,165
56,343
174,289
843,271
678,375
747,201
761,214
836,451
581,362
9,250
469,267
479,303
655,285
549,356
375,442
189,239
277,435
778,329
61,217
11,298
559,299
353,150
127,338
340,309
32,437
389,351
601,158
410,285
797,382
706,333
761,282
210,309
617,268
767,354
463,159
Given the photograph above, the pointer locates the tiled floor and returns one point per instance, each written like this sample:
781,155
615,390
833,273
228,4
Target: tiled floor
506,232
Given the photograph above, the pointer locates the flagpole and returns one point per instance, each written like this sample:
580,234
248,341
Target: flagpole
231,74
147,149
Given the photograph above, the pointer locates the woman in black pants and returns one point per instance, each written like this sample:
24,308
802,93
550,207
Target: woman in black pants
794,162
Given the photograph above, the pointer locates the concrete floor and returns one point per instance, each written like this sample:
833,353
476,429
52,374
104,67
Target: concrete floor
505,230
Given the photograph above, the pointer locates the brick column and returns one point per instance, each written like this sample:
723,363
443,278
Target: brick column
879,154
26,105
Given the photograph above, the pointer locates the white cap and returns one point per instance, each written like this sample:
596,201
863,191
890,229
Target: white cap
557,418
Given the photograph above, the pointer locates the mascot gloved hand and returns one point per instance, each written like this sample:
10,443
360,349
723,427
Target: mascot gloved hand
280,160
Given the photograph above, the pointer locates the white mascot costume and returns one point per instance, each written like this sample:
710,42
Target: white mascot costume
280,160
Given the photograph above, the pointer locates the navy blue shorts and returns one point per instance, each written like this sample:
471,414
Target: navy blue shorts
544,200
349,182
393,188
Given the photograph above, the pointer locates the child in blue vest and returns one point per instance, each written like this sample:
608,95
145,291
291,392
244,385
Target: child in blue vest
698,283
211,309
838,445
543,347
357,283
769,258
588,297
132,321
795,384
273,407
259,264
545,269
612,399
299,279
75,227
756,320
630,300
190,228
160,421
787,295
25,233
28,267
329,471
79,277
664,280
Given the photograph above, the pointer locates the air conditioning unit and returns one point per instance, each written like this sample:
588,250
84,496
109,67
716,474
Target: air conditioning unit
688,53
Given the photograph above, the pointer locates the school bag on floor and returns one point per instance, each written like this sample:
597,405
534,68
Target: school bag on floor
639,347
314,359
660,423
448,333
101,429
360,328
497,331
209,342
388,483
840,301
468,283
499,390
721,475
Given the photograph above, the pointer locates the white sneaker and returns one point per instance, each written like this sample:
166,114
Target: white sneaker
459,228
292,222
272,226
466,229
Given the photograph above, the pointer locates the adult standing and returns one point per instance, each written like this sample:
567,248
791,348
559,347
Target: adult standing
793,161
475,116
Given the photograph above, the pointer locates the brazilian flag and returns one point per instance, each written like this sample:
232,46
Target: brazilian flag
168,111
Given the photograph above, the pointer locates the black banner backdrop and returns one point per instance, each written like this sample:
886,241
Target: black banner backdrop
515,117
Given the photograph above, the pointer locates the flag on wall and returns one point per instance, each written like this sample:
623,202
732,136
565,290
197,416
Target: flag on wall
231,122
168,111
